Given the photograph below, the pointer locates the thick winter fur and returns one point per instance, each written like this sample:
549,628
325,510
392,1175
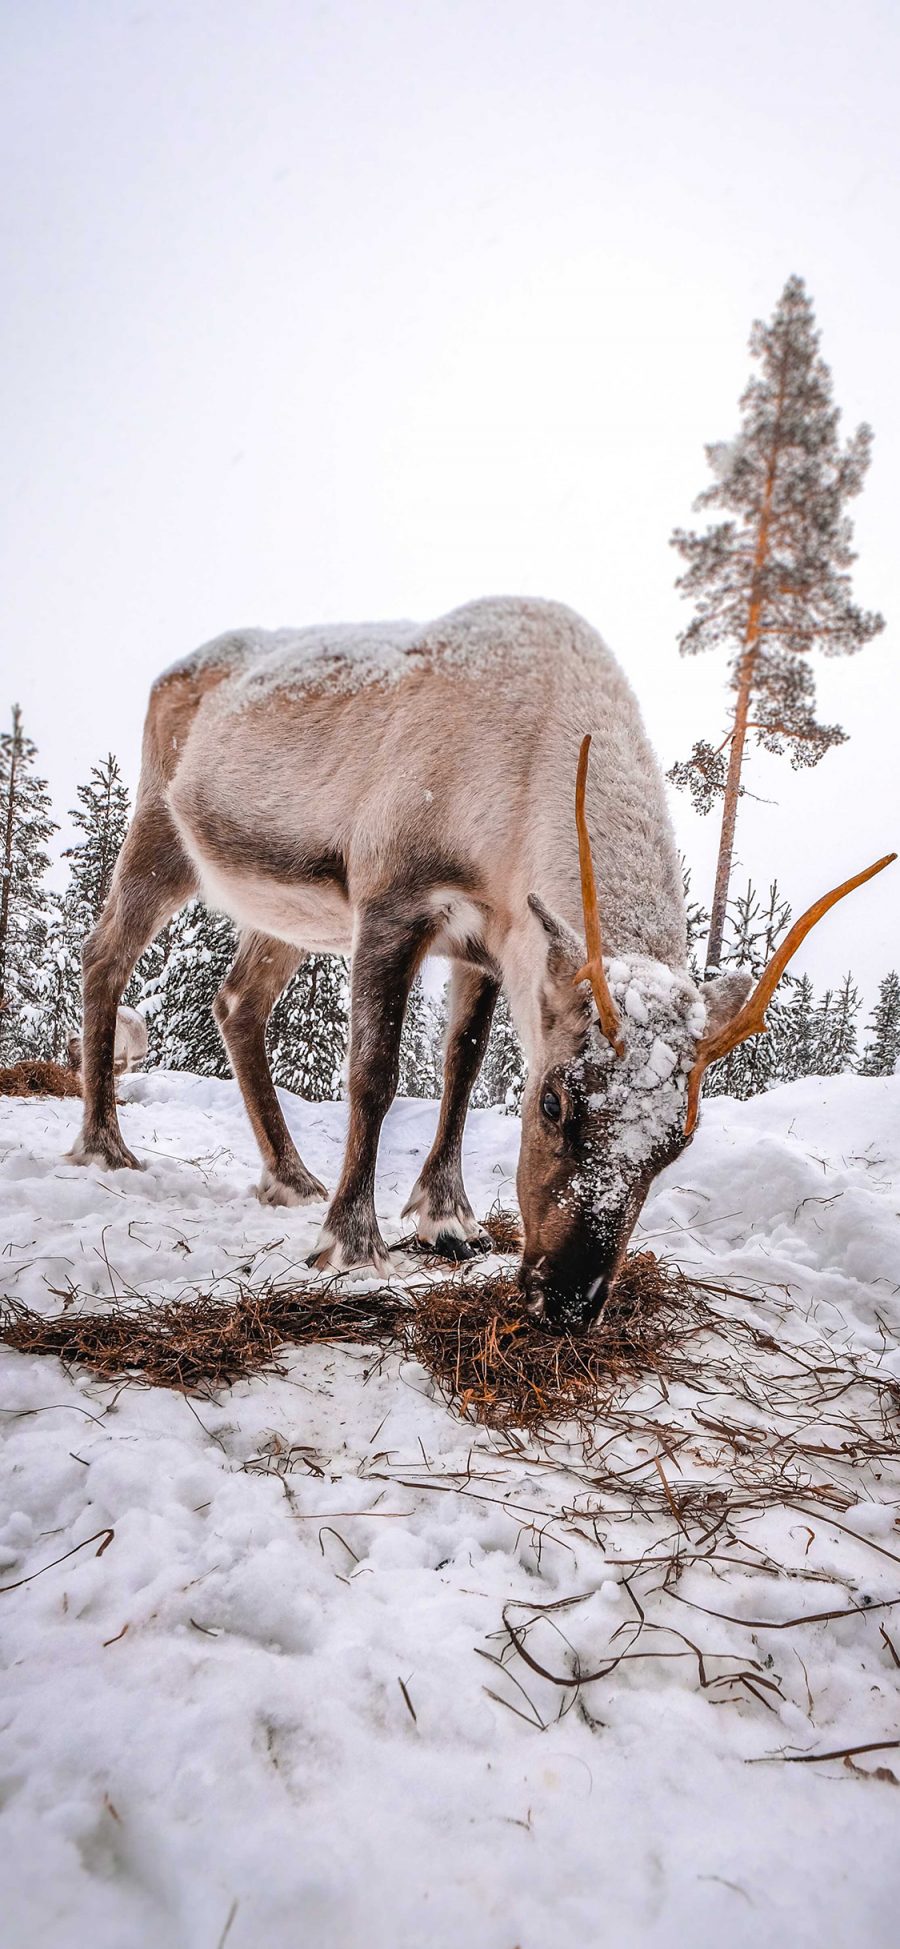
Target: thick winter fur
303,785
394,790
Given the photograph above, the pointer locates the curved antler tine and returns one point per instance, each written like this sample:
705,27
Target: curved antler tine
751,1019
593,970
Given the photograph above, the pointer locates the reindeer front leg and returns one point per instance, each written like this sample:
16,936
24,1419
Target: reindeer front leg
390,943
444,1216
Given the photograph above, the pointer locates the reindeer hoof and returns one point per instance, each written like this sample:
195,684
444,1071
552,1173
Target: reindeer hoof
448,1245
345,1246
104,1149
453,1234
300,1188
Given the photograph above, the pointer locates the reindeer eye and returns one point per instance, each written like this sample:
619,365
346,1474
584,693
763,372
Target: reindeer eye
551,1106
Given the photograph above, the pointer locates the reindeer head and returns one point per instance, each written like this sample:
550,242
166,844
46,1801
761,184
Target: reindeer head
615,1094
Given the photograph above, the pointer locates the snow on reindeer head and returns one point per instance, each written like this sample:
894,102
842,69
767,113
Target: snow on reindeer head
615,1095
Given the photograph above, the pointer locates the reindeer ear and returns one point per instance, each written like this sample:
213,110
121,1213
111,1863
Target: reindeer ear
566,952
563,1006
723,996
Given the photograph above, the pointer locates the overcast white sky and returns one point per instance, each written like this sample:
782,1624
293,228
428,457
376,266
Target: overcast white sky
322,310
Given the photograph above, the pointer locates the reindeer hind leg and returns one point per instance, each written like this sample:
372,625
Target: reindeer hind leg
153,878
251,987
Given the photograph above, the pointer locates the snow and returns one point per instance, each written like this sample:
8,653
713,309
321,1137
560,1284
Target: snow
204,1726
644,1089
340,656
343,658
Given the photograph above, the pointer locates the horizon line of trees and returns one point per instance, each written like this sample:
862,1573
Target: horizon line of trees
42,932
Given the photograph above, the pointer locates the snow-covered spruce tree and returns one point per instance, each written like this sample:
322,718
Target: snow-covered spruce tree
697,920
882,1051
823,1035
307,1031
101,815
835,1029
848,1003
421,1045
196,952
58,991
771,581
502,1078
309,1028
25,905
753,930
796,1043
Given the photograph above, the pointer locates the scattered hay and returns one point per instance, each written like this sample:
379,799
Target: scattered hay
38,1079
504,1229
492,1362
199,1344
489,1359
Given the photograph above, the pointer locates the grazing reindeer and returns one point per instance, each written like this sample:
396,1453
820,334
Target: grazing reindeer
131,1043
401,789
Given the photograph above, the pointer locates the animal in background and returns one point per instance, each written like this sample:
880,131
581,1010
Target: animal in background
130,1047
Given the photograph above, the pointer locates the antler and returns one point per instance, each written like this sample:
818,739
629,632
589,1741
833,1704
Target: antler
593,970
751,1019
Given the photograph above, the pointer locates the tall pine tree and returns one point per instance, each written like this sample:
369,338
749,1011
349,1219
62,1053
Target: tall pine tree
25,905
771,582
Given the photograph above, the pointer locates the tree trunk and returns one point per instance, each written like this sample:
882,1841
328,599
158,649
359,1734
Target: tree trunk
746,670
729,814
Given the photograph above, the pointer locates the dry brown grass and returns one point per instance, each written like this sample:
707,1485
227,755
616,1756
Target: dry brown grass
38,1079
489,1359
494,1363
504,1229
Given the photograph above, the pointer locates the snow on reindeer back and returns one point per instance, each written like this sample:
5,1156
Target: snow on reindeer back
644,1093
346,657
332,656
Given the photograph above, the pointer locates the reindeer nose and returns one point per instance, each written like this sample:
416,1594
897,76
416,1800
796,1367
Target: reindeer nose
562,1307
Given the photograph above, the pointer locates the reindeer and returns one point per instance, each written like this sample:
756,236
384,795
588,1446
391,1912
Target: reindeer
130,1047
400,790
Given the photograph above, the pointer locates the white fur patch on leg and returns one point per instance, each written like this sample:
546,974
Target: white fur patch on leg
270,1191
108,1156
432,1225
429,1228
329,1255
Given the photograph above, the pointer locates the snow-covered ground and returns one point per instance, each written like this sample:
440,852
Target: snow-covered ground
265,1711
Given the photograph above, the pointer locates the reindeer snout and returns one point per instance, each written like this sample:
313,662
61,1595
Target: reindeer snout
561,1305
